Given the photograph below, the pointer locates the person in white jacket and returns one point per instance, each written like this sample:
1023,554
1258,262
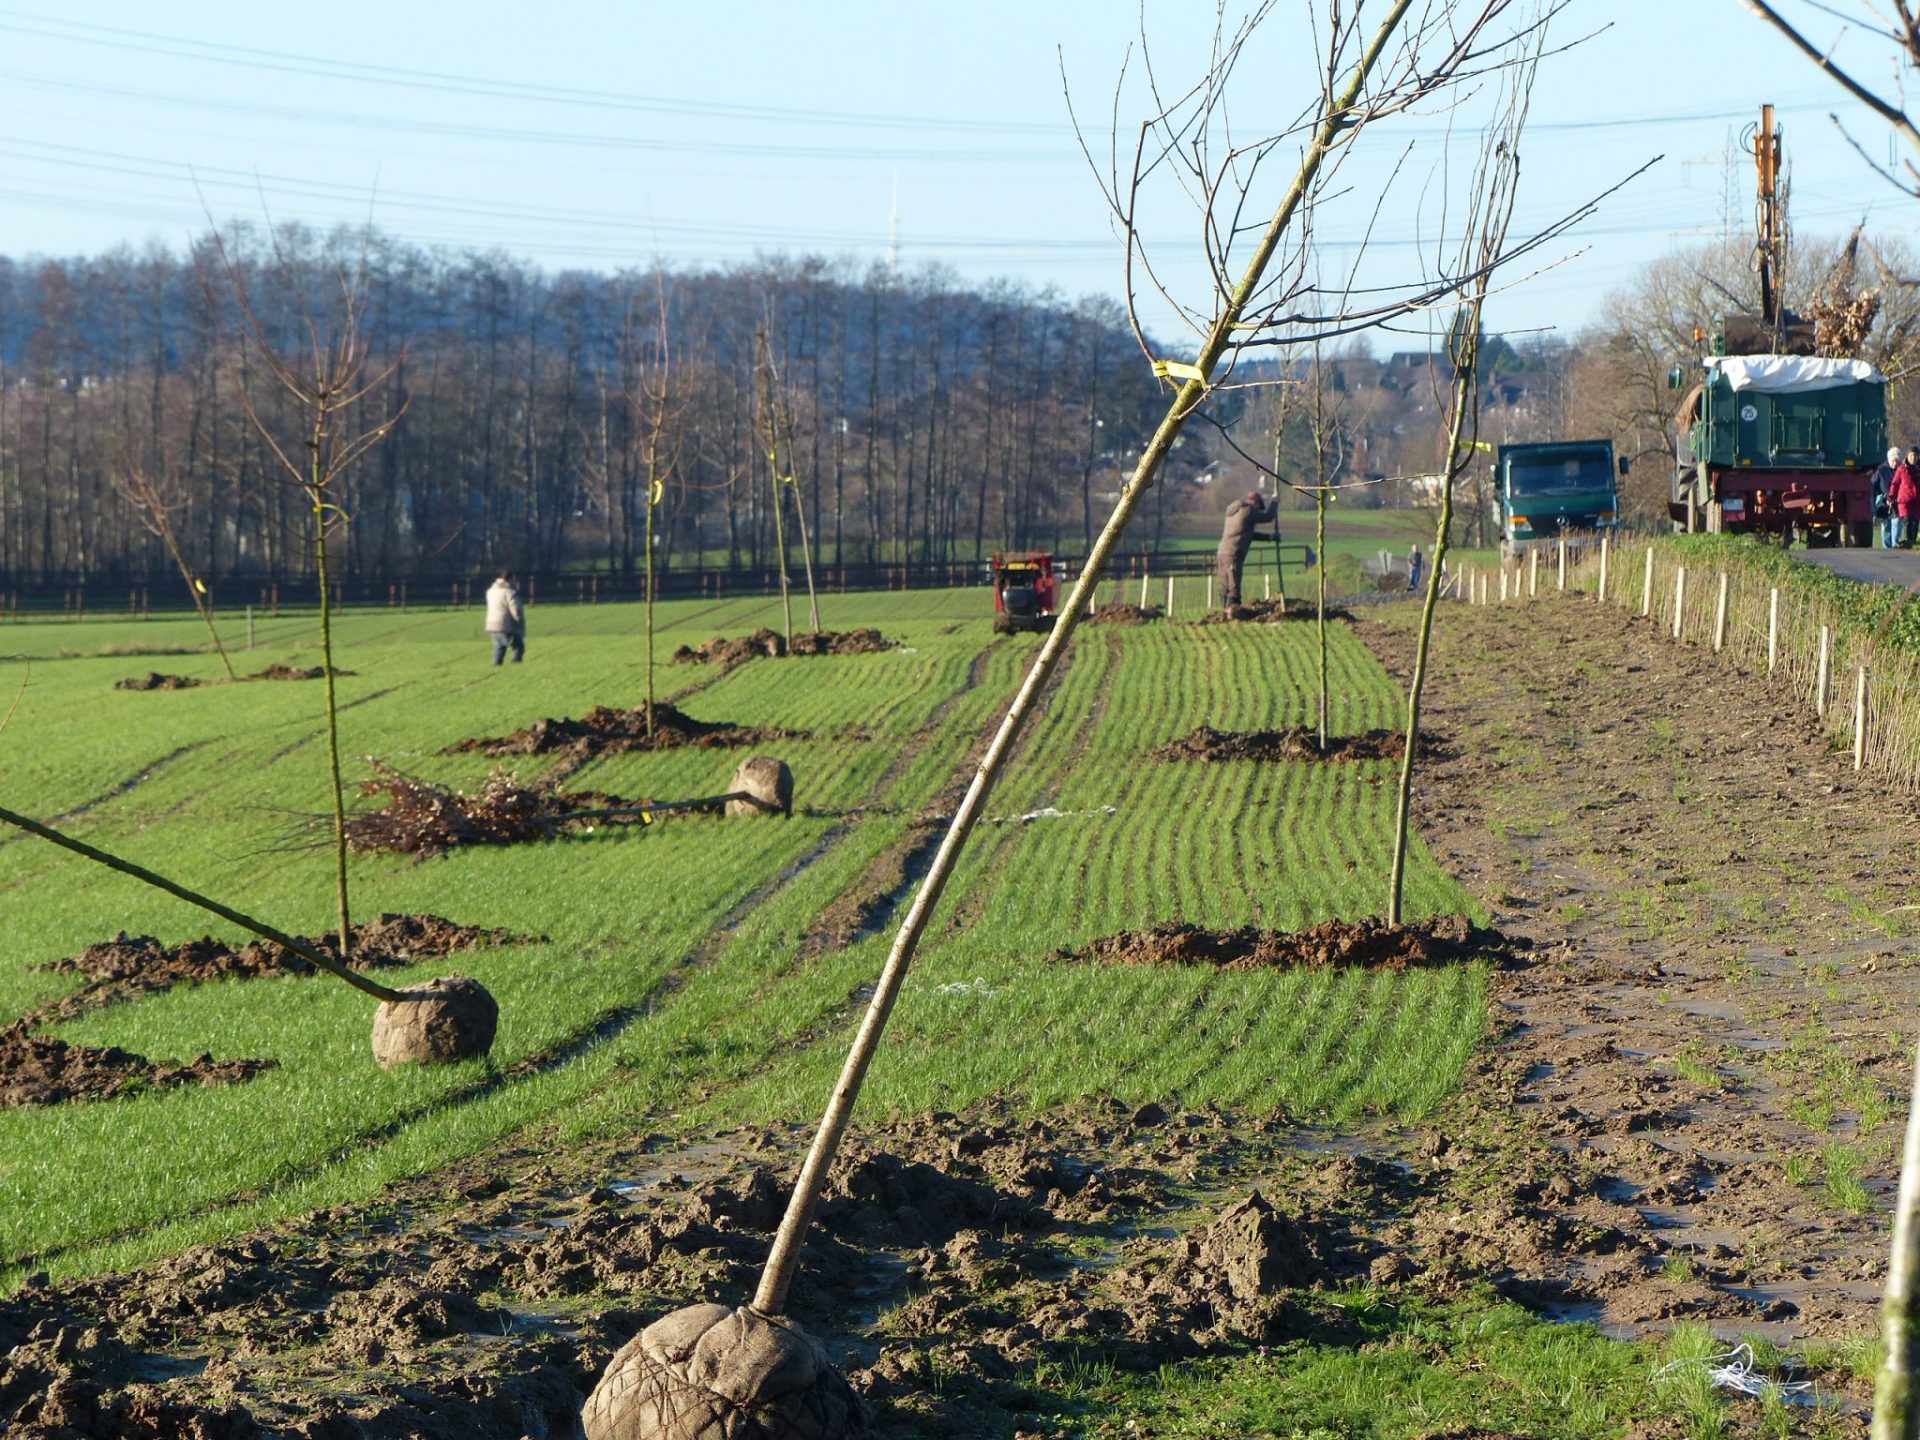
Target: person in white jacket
506,620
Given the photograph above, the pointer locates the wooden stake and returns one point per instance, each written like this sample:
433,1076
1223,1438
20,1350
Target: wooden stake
1560,576
1143,589
1209,604
1646,588
1720,616
1823,672
1679,598
1266,585
1860,719
1503,584
1773,630
1169,597
1601,595
1533,573
312,955
1893,1396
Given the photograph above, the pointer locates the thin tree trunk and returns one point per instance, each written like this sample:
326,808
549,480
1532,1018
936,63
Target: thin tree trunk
318,495
771,1296
1320,604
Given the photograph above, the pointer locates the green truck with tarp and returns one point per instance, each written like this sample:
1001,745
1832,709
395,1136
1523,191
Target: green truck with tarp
1551,488
1779,445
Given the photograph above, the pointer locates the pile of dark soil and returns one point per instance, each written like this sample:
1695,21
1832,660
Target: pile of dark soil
1370,943
773,645
1296,742
1266,611
842,642
422,818
605,730
740,648
153,680
1118,613
43,1070
130,966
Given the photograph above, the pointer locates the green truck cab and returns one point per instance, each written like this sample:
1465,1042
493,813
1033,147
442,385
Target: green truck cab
1546,489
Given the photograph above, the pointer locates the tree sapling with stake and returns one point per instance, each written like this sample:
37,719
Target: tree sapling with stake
710,1370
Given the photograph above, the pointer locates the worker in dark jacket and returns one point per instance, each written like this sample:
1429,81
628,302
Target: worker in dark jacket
1883,499
1237,538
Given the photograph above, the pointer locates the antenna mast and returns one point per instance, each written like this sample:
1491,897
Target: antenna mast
1766,256
893,228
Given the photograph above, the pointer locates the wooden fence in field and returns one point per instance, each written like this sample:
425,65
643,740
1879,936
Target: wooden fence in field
1865,696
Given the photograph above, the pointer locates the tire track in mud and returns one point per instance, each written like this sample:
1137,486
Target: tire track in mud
867,907
971,905
602,1027
114,792
1706,970
897,863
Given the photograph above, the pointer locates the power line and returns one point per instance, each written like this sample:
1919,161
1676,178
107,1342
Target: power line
182,47
495,134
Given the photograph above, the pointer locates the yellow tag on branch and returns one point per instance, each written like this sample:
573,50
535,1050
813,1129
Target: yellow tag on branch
1178,370
658,493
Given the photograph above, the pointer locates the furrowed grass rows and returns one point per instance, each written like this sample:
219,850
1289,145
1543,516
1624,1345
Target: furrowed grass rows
1283,845
743,1037
621,909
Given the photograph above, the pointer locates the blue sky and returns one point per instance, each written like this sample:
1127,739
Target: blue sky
602,135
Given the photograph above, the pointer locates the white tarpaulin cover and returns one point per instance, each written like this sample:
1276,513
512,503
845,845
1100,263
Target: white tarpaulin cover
1791,374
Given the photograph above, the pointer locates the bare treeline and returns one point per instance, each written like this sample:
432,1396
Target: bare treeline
928,421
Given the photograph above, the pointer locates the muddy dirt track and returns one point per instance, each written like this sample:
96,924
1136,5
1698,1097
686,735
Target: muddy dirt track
1707,1064
1710,1021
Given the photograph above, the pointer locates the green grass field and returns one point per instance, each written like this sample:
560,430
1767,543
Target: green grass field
227,782
220,788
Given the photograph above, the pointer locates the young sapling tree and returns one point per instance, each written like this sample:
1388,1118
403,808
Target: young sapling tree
1490,211
708,1369
315,425
154,497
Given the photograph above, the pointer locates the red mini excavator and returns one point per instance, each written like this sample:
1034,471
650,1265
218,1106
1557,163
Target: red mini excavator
1024,591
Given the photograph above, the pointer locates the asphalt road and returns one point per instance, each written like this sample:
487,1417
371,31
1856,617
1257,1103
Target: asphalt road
1876,567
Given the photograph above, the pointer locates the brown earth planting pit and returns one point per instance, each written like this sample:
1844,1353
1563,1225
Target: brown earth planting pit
1295,742
154,680
1120,613
41,1069
1332,944
606,730
1266,612
46,1070
770,644
130,966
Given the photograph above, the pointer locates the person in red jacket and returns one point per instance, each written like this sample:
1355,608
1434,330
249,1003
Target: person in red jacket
1904,494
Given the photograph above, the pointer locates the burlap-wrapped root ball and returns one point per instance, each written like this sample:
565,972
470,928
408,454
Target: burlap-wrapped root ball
766,779
710,1373
452,1018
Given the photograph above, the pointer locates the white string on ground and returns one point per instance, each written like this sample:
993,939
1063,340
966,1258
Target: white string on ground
1047,812
1734,1370
975,986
